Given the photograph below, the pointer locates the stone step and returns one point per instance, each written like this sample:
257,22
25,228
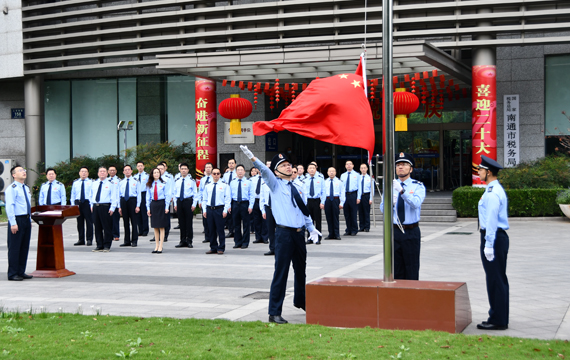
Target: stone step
437,200
438,213
437,207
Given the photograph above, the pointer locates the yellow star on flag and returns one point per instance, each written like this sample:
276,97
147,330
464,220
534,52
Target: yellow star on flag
343,76
356,83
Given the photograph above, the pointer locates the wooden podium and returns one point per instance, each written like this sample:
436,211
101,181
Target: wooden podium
51,260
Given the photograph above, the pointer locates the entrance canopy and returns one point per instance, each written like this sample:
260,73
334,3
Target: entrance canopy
303,64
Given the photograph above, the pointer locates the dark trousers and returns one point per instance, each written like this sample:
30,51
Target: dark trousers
350,210
116,220
230,223
142,216
289,247
496,276
129,215
240,215
206,228
269,228
215,219
168,225
332,213
407,253
364,212
19,246
103,226
85,217
185,217
314,206
257,220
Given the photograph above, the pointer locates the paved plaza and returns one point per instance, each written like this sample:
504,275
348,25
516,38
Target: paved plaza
187,283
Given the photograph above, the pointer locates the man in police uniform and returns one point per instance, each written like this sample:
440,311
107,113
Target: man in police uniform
52,191
18,210
142,216
407,235
292,217
216,202
205,180
104,202
81,196
352,187
116,216
256,215
333,198
314,188
493,219
243,199
227,178
186,197
130,202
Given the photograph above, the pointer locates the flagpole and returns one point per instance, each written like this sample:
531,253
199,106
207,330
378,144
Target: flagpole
388,168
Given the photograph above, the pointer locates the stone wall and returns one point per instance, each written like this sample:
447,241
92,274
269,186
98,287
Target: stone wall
12,131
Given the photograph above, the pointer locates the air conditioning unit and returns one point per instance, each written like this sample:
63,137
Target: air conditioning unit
5,176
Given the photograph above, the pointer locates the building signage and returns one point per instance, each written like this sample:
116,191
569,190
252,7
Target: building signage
484,117
246,136
206,124
18,114
271,141
511,124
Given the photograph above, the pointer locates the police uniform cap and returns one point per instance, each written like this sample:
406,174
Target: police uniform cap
405,157
490,164
277,160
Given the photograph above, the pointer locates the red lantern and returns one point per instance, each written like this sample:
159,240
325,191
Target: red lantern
235,109
405,103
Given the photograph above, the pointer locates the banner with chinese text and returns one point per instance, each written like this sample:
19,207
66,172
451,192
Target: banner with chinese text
511,124
206,125
484,117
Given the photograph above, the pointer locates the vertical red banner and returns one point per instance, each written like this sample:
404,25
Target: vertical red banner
206,124
484,117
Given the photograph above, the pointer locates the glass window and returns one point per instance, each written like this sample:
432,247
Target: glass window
57,121
128,110
557,102
181,110
94,117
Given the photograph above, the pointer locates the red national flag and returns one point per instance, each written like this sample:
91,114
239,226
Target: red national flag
333,109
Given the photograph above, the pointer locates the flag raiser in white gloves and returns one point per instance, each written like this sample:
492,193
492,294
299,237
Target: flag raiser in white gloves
247,152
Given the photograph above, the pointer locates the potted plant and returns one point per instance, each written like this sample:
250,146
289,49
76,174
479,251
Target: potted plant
563,200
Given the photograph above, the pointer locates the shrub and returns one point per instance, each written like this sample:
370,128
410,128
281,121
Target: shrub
545,173
522,202
563,197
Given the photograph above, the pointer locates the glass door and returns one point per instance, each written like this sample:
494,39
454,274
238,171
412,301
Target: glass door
425,147
457,158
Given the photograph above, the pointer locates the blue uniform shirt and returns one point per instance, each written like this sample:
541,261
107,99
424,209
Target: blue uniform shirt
57,193
134,189
142,178
163,191
302,177
284,212
16,203
414,195
493,211
76,190
226,177
368,186
354,181
338,188
189,189
205,180
109,193
318,187
223,196
170,181
246,191
254,180
264,198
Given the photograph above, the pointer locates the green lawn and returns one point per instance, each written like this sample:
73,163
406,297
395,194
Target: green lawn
70,336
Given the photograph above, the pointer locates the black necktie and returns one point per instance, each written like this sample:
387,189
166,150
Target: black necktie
182,190
331,195
127,191
348,181
213,201
207,180
296,198
269,202
312,190
230,180
24,189
401,210
98,197
82,198
362,185
258,188
239,190
48,201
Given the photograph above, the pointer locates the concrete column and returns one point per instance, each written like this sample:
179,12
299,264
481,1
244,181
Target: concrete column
34,125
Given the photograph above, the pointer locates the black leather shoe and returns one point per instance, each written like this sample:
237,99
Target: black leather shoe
488,326
26,277
79,243
309,242
181,245
211,252
318,242
237,247
257,242
277,319
89,243
353,234
230,235
205,241
244,247
366,230
177,227
122,245
133,244
302,307
329,238
266,242
16,278
154,251
338,238
190,246
152,239
346,234
269,253
145,234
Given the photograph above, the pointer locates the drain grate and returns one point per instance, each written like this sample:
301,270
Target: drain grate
458,233
258,295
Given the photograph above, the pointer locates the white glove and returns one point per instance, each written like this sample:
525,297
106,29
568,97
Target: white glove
489,253
314,235
397,187
395,197
246,151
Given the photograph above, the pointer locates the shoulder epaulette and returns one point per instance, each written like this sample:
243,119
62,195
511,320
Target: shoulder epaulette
417,182
77,179
47,182
13,185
